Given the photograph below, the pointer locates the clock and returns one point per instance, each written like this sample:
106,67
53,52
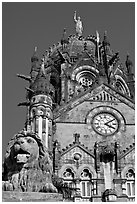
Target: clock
105,123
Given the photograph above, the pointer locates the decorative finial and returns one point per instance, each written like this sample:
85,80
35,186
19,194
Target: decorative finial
79,27
64,40
76,136
35,57
43,65
97,36
129,64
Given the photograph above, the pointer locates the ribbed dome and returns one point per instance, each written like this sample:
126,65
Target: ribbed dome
77,46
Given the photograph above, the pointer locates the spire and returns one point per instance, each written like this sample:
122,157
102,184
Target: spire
42,85
64,39
97,46
35,58
129,64
34,65
106,41
97,36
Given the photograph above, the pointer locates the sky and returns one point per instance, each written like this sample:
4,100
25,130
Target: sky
29,24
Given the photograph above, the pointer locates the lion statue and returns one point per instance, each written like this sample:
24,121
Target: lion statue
27,166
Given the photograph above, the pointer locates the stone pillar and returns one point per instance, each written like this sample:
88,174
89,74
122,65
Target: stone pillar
94,187
77,196
123,184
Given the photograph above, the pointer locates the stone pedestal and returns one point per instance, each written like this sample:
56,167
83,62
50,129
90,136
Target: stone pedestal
12,196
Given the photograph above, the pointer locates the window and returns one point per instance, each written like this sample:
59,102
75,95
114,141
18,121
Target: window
86,189
85,183
130,184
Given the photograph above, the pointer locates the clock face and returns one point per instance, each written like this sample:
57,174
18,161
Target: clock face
105,124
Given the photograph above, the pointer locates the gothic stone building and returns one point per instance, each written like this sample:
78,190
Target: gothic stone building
80,102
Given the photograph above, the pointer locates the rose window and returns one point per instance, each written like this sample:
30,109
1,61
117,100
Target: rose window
85,81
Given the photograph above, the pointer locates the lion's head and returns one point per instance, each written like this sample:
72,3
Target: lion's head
27,159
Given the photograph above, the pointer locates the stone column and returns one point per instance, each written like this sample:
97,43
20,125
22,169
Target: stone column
46,139
40,127
36,123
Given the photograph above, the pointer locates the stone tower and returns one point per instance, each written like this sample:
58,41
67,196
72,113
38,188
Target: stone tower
40,98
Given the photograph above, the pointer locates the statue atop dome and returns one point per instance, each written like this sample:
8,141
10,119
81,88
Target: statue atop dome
79,27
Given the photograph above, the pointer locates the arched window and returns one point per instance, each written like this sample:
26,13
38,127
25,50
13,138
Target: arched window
85,183
130,183
68,177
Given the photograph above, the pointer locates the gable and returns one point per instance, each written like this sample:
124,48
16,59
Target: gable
69,156
102,95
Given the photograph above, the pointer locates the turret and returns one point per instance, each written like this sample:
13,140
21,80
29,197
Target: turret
40,111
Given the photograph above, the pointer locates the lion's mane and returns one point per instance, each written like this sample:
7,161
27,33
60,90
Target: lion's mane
35,175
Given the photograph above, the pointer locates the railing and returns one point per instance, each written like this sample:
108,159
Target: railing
86,199
131,199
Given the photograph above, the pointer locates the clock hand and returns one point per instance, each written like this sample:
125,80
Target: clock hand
109,121
109,126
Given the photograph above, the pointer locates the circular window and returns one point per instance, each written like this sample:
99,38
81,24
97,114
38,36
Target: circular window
85,81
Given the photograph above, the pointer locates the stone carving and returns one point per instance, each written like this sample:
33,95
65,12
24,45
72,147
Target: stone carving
27,165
